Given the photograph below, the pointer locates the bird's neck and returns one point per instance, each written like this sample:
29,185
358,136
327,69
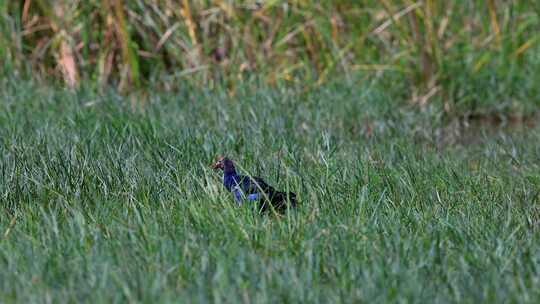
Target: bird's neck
230,178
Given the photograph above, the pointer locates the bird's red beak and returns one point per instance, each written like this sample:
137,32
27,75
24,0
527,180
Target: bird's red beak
217,165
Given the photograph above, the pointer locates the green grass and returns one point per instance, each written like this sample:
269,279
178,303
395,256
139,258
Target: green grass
102,201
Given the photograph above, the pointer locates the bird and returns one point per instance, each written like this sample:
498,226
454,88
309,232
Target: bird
253,189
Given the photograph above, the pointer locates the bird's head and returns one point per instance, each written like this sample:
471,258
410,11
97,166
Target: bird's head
223,163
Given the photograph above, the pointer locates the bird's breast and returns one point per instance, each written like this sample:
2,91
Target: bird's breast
253,197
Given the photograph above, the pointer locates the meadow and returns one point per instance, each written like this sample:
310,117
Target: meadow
105,201
408,129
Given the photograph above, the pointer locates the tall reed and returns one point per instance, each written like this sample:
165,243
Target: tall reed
133,43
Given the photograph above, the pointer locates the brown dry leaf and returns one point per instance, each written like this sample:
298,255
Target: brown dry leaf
67,64
26,7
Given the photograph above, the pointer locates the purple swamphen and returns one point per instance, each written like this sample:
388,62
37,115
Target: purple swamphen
253,189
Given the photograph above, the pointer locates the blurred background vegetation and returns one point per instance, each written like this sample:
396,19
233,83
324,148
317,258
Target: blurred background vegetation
455,54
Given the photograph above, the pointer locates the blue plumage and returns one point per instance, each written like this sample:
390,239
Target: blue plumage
242,187
253,189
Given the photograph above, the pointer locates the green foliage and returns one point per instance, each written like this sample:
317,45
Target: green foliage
443,50
103,202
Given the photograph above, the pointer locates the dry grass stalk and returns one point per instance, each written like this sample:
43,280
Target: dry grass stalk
66,61
494,23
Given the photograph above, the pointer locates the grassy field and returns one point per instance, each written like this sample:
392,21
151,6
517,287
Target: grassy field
109,199
360,107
